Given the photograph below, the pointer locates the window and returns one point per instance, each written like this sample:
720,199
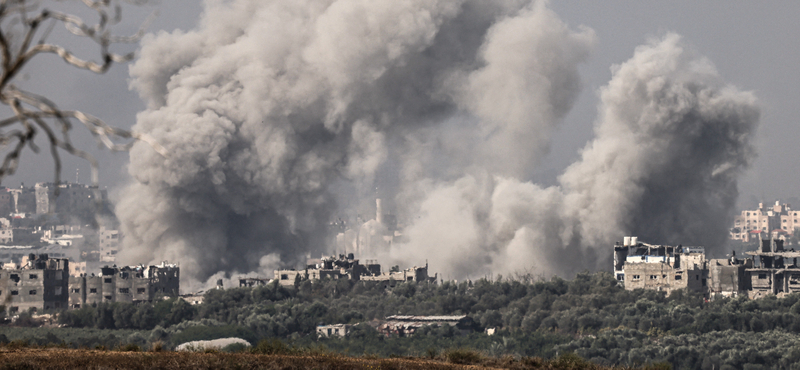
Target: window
678,277
14,309
124,290
704,282
58,290
635,277
653,277
92,290
33,276
32,292
107,280
15,292
141,290
284,277
14,277
108,297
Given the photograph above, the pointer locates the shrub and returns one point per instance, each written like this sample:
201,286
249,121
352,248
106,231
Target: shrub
571,361
130,347
272,347
463,356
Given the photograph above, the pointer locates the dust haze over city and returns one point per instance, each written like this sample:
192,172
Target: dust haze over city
500,137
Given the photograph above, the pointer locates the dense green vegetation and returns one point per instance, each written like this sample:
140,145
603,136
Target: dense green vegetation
589,315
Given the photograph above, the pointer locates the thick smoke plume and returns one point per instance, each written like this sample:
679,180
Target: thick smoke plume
278,116
671,139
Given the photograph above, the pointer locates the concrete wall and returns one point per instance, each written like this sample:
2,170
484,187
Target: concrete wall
726,279
94,289
77,292
663,277
42,285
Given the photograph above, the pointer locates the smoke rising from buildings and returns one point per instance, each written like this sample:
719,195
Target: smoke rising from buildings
277,115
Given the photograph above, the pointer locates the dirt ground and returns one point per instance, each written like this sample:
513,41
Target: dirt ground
59,358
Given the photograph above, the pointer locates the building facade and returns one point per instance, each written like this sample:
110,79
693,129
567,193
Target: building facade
335,330
108,243
765,221
126,284
71,198
660,267
772,270
346,267
775,271
40,283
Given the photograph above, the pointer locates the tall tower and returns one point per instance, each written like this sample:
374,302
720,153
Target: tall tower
378,211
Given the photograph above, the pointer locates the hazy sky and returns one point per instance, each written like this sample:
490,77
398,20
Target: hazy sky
753,44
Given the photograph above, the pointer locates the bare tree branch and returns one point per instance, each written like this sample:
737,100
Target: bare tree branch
20,23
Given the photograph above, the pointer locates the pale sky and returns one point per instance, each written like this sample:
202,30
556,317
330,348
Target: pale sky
753,44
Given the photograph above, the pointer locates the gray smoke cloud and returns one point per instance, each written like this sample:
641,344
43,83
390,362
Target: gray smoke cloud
671,140
280,115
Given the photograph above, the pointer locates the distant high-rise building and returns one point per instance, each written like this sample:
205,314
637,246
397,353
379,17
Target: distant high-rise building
771,221
109,244
71,198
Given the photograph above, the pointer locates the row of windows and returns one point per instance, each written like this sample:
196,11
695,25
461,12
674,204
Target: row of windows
58,276
677,277
32,291
121,290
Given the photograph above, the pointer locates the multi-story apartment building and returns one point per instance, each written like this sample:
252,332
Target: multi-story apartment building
72,198
108,241
772,270
660,267
777,271
125,284
346,267
24,199
39,283
765,222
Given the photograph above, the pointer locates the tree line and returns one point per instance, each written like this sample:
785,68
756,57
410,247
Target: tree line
589,315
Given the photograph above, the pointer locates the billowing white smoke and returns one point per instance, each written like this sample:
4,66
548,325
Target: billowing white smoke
277,113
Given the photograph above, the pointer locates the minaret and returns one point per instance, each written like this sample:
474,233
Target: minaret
378,211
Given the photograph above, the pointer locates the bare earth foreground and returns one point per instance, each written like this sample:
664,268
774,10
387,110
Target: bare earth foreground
59,358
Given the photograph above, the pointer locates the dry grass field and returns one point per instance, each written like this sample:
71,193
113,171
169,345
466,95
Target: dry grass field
62,358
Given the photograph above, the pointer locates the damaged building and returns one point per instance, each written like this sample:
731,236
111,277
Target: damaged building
39,283
348,267
772,270
776,272
407,325
125,284
659,267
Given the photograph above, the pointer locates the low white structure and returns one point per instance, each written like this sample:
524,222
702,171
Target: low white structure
202,345
336,330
